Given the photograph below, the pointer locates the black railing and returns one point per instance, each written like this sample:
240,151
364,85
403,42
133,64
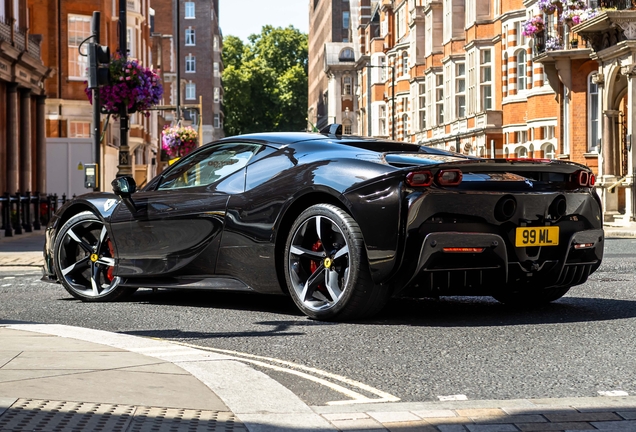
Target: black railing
618,4
20,213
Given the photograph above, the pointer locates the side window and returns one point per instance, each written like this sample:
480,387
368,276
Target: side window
209,166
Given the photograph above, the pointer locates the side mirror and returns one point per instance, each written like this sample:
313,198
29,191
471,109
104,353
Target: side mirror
124,187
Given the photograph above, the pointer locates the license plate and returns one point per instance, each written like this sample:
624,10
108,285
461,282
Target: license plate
537,236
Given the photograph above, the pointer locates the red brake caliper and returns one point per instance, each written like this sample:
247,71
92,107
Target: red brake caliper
111,249
313,266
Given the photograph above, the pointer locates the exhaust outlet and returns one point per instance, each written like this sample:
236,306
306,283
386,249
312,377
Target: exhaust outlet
505,208
559,207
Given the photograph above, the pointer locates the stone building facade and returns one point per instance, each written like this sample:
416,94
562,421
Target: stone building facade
22,101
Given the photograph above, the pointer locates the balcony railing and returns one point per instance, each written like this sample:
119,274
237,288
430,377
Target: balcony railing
19,38
613,4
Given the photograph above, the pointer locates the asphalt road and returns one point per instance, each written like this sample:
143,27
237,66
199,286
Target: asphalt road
414,351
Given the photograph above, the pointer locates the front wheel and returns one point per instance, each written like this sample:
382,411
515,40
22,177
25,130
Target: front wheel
84,260
326,269
531,298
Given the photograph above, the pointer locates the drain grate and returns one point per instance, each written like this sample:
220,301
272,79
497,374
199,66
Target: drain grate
55,416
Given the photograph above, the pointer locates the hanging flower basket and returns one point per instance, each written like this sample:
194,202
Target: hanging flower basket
533,26
178,141
550,6
137,87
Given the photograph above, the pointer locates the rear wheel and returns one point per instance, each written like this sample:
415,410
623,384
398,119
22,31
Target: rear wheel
84,259
326,269
531,298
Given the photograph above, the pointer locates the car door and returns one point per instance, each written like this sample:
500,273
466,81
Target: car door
178,223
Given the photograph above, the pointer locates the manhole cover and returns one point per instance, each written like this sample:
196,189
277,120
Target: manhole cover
55,416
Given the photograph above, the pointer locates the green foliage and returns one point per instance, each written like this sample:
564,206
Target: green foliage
265,81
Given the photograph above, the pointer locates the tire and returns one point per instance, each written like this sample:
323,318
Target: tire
84,259
531,298
333,282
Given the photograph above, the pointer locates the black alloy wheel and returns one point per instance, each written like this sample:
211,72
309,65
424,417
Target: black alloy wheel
326,268
84,260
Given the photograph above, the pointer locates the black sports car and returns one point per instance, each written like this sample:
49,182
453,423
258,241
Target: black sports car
340,223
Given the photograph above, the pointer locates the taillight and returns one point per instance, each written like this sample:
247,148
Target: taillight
463,249
583,178
451,177
419,178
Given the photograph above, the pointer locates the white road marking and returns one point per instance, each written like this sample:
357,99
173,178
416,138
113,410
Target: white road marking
309,373
459,397
613,393
6,285
9,277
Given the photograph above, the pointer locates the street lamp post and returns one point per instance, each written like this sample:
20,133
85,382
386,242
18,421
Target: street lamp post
369,67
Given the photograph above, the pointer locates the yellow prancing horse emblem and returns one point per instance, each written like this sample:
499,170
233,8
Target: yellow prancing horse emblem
328,263
94,257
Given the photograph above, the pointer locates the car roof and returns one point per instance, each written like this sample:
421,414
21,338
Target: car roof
282,139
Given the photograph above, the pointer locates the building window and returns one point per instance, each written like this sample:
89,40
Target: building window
190,91
190,63
472,83
405,126
79,28
382,69
130,41
400,22
422,106
382,120
460,90
486,79
217,73
189,10
522,79
216,43
549,151
217,121
523,137
190,39
439,98
78,129
346,55
217,94
405,63
345,20
592,117
347,128
522,153
346,87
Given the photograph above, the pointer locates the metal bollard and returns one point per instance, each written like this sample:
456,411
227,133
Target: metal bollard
18,225
8,229
38,212
26,211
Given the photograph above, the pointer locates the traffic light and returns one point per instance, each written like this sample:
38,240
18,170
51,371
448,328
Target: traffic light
98,62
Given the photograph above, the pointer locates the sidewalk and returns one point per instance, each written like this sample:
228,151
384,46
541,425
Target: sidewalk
59,378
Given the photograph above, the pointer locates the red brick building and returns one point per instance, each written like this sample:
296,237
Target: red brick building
463,76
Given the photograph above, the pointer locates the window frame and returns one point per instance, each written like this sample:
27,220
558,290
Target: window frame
190,64
190,37
190,91
192,9
593,115
82,61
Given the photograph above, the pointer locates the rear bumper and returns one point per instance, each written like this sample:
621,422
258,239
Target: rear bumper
450,273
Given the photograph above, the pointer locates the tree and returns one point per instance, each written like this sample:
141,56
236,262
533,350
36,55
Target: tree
265,81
